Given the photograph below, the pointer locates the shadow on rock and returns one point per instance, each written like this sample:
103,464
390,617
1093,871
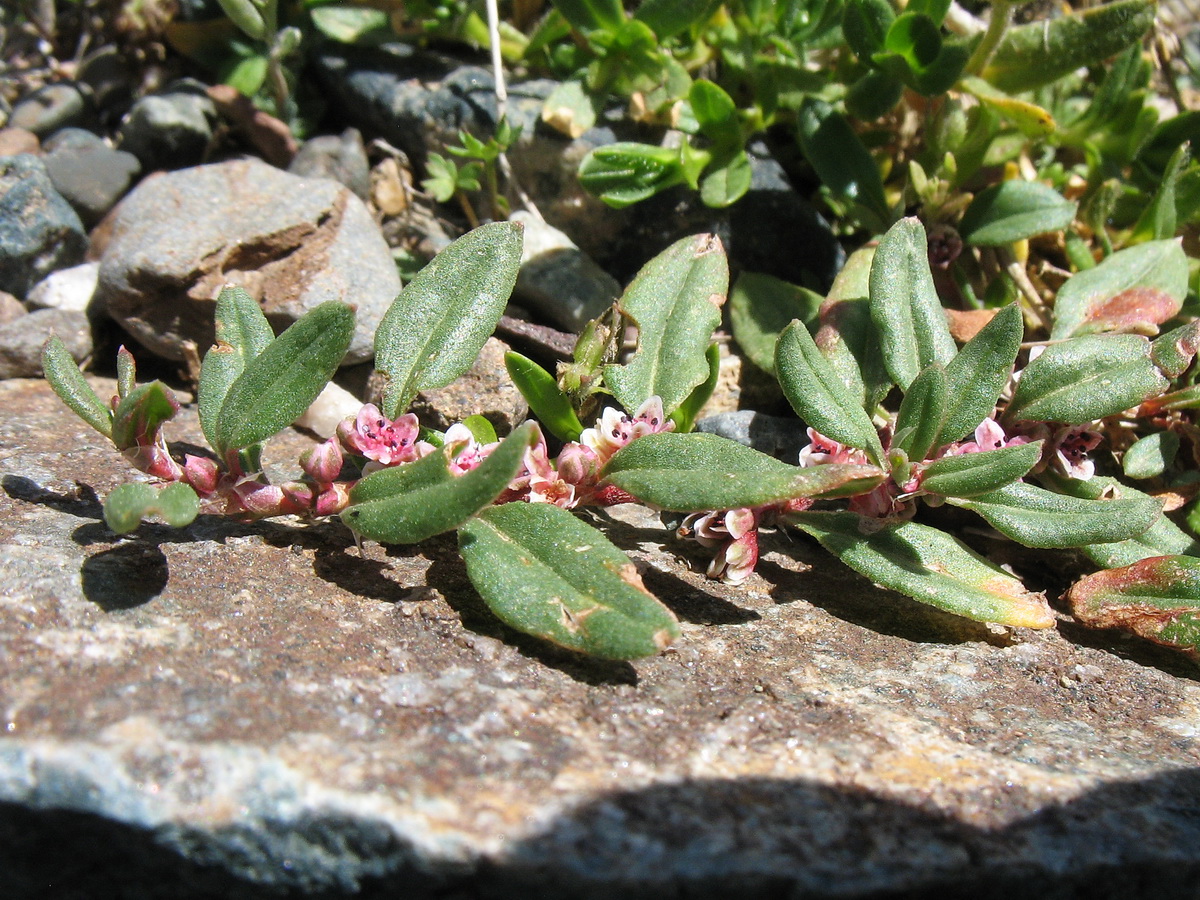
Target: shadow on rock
745,838
125,576
81,502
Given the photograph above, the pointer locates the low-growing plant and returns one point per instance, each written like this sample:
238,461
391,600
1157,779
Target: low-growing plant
898,413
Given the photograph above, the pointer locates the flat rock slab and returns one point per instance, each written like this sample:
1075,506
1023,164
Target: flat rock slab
258,710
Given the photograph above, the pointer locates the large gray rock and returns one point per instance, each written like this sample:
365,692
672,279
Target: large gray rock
292,242
243,711
21,340
39,232
89,174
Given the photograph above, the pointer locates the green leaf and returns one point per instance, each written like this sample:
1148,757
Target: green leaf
72,388
408,503
819,396
1040,52
1174,351
1036,517
972,474
1135,289
246,72
141,412
922,414
247,16
726,180
686,412
592,15
847,337
1153,159
1158,220
282,381
546,400
625,173
668,18
693,472
927,565
874,95
915,53
865,24
675,300
1086,378
1012,211
242,333
128,504
434,330
352,24
979,373
840,159
904,304
1163,537
761,307
1151,455
715,112
545,573
1157,599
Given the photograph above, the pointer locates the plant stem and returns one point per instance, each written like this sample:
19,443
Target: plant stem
1001,17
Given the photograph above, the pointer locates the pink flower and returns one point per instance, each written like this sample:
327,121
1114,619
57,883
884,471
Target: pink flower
471,454
323,463
545,483
386,442
734,533
821,450
615,429
1071,448
988,436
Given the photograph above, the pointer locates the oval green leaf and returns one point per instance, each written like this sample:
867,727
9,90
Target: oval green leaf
72,388
761,307
1036,517
971,474
407,504
675,300
242,332
927,565
1013,211
435,328
545,573
285,378
979,373
693,472
128,504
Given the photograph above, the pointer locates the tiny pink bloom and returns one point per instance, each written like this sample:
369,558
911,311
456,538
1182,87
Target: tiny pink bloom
384,441
734,534
578,465
1071,448
545,484
323,463
332,500
735,561
201,473
989,435
822,450
470,453
616,429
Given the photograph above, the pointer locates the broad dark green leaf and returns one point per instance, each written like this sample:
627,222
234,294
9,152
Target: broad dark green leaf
865,24
128,504
1040,52
435,328
1036,517
761,306
1012,211
1158,221
1086,378
1174,351
280,383
927,565
922,414
972,474
819,396
915,52
1135,289
904,304
242,333
840,159
408,503
1154,156
545,573
1157,599
847,337
72,388
978,374
685,413
693,472
1161,538
874,95
715,112
675,300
